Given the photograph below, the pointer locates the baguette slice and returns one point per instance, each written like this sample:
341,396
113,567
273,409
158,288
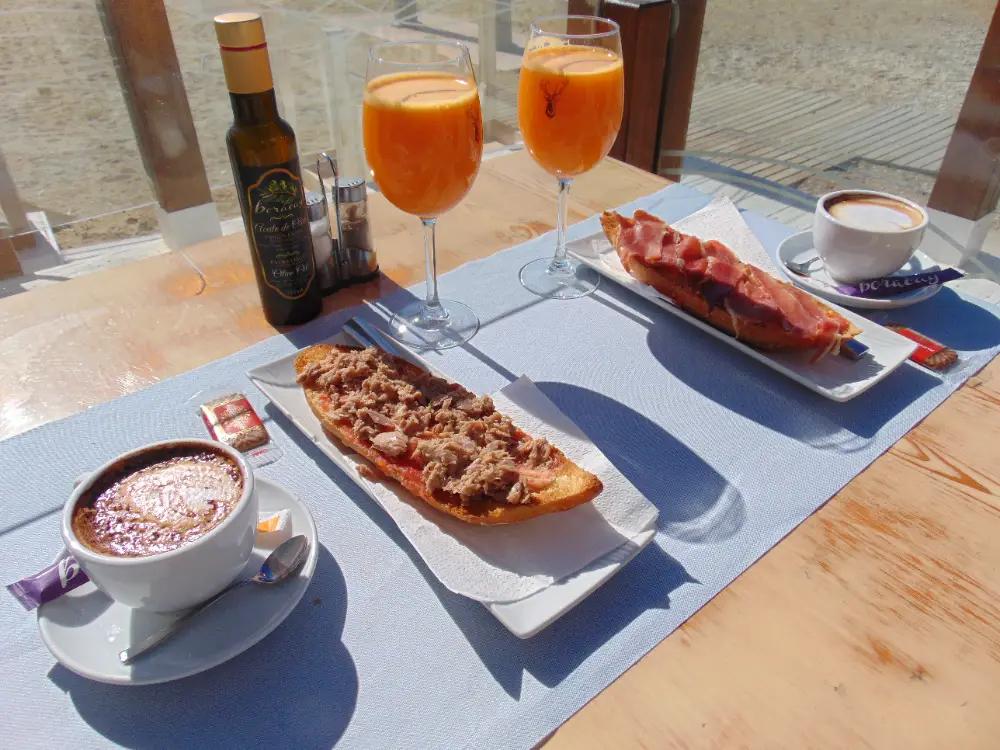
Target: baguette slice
572,485
771,333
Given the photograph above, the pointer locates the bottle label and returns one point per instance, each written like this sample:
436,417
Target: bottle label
279,228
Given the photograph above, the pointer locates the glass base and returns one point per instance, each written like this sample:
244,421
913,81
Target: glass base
574,280
417,328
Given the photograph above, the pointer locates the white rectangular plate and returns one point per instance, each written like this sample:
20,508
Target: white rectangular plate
837,378
524,618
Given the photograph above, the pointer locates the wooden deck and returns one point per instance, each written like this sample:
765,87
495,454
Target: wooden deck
785,136
766,142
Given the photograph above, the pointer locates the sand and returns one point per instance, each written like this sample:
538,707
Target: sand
68,140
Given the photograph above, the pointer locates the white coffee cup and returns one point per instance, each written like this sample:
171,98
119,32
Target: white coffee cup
182,577
852,252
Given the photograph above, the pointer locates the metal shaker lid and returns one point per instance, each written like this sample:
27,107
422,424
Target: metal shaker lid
315,205
352,190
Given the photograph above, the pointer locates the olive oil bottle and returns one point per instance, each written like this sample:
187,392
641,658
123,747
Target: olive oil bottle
265,162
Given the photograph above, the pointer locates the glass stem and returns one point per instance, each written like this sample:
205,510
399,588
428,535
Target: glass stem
432,305
559,262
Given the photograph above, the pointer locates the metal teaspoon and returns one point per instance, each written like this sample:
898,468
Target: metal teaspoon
286,559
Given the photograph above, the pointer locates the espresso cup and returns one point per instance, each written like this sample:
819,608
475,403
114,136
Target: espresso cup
866,245
178,578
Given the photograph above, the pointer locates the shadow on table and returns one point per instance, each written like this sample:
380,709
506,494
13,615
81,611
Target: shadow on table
344,304
644,584
696,503
756,392
951,320
296,688
773,401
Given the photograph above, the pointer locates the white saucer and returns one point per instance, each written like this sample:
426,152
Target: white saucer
85,630
799,247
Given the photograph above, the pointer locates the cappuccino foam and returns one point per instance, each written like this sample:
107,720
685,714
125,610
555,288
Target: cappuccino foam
873,212
158,500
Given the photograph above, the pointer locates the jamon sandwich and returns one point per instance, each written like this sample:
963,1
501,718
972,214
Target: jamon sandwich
709,281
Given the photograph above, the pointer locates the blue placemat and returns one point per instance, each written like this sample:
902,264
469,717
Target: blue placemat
379,655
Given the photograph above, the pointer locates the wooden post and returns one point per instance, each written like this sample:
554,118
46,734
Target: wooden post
505,35
583,7
488,65
17,221
645,36
10,201
968,182
645,29
682,64
143,49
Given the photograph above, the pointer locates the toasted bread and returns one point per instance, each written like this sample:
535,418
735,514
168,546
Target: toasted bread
672,283
571,486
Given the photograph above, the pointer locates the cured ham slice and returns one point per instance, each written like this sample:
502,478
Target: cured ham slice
707,279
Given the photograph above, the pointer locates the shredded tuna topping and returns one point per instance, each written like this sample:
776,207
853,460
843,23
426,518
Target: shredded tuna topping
461,444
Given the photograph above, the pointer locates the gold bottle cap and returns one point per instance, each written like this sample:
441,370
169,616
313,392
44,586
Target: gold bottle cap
244,52
239,30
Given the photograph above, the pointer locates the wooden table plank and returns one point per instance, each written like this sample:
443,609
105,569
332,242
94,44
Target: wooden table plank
875,624
71,345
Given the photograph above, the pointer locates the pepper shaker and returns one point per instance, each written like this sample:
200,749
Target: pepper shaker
353,250
358,251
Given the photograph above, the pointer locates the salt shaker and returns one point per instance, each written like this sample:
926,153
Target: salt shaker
357,252
327,272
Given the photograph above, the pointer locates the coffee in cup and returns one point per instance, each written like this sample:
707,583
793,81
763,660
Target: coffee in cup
876,213
157,500
863,234
165,526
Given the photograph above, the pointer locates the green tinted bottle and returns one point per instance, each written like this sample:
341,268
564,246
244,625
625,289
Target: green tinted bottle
265,163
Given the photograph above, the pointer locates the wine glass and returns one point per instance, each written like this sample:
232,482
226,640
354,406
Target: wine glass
423,133
570,100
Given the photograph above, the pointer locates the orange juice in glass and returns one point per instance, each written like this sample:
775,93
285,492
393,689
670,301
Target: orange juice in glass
423,139
570,100
423,135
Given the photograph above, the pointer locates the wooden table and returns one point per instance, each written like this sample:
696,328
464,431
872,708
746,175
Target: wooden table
875,623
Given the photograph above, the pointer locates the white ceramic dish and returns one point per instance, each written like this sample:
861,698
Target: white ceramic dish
85,630
800,247
836,378
532,614
524,617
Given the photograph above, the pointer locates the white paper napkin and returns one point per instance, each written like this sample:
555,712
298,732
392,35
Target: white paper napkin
721,220
508,563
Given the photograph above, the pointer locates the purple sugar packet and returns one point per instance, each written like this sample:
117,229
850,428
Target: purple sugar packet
887,286
61,576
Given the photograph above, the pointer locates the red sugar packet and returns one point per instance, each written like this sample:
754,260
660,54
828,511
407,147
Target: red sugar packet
930,353
231,419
